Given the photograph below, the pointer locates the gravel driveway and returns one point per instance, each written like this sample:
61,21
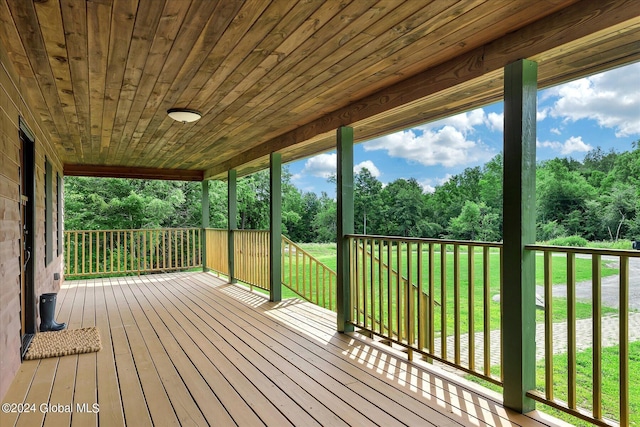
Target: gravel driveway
610,287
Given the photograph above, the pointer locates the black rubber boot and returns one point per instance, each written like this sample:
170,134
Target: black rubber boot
47,311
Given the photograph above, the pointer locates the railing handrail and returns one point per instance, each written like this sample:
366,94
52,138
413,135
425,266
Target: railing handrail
426,240
583,250
131,229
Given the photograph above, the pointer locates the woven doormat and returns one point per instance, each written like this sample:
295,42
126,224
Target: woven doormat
64,343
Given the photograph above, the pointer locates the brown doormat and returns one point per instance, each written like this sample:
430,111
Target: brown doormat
63,343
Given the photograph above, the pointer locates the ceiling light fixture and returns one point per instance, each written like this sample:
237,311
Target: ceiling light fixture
184,115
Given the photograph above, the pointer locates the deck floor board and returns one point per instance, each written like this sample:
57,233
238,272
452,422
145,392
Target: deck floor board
189,349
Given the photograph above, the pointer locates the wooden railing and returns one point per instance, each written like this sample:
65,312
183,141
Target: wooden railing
401,303
251,257
550,392
117,252
217,250
307,276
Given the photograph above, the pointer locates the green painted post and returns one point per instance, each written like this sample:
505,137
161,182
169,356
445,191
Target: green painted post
232,221
345,225
205,223
518,303
275,227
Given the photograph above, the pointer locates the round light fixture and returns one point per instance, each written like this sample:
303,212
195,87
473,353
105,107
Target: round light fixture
184,115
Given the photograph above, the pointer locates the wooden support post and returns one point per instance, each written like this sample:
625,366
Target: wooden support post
518,304
232,221
345,225
275,227
205,224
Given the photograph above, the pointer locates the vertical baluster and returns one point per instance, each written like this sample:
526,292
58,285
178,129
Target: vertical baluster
297,272
486,298
431,323
372,288
182,248
624,340
355,292
111,249
91,236
596,314
304,274
131,252
380,288
571,329
317,283
409,307
548,324
501,252
456,303
443,300
289,258
365,282
471,281
144,250
422,306
124,247
67,255
400,307
118,249
84,250
75,250
151,248
104,251
389,289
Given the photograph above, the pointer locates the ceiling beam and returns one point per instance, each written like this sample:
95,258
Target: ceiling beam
577,21
133,172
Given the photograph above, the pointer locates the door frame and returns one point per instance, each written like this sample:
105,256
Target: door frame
27,236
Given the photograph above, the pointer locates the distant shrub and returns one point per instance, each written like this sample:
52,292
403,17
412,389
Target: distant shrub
569,241
620,244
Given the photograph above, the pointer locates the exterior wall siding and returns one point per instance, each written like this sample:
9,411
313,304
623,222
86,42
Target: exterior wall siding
12,107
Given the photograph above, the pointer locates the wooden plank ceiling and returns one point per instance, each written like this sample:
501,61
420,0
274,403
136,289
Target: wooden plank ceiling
281,75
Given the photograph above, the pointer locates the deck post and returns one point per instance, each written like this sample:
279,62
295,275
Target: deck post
205,223
518,291
275,227
345,225
232,218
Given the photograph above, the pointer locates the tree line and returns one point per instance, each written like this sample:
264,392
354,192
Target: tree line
597,199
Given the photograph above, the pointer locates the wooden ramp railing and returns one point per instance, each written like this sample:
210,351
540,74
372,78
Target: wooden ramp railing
307,276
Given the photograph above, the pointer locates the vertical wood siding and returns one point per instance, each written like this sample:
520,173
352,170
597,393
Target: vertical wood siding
12,106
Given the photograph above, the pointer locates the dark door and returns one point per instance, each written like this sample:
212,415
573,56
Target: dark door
27,241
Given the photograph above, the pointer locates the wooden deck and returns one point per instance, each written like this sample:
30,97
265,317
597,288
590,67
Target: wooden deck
188,349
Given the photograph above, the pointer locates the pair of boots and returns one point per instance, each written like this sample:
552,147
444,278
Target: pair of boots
47,312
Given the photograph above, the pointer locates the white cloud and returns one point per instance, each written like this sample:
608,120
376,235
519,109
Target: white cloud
426,187
556,131
572,145
429,184
495,122
322,166
612,99
446,142
370,167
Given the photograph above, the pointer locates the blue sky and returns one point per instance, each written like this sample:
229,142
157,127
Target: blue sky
601,110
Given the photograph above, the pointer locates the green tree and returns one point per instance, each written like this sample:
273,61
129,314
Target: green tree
367,202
